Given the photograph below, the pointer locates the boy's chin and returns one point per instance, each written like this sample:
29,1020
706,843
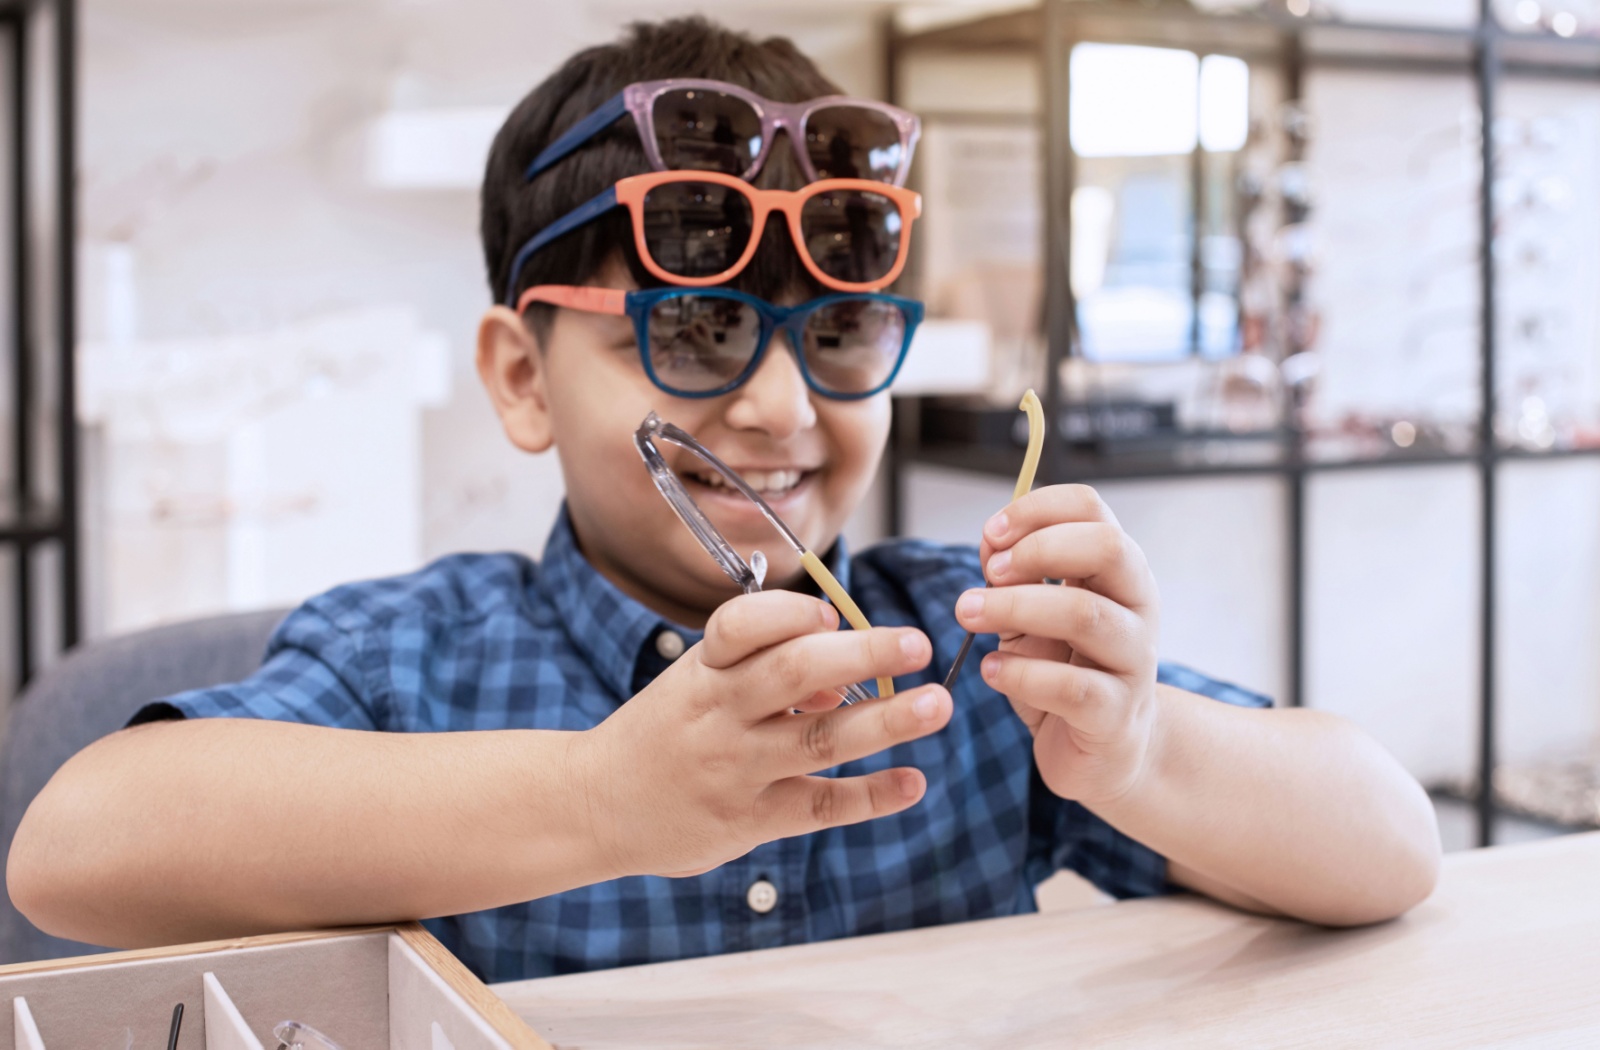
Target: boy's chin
783,570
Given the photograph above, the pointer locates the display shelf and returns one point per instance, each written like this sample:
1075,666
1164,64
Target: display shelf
1266,36
35,523
1484,51
1530,812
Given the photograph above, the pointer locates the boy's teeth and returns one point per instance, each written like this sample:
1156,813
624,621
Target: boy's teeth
765,481
772,480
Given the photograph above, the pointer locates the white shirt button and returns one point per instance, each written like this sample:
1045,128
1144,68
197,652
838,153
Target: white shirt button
762,896
669,644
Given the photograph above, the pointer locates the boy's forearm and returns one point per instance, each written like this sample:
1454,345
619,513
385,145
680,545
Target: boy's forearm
1292,811
184,831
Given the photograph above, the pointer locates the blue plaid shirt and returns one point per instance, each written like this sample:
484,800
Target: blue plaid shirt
497,641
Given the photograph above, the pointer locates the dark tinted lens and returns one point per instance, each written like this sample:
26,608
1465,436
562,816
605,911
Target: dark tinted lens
701,342
852,345
853,142
706,131
852,235
696,229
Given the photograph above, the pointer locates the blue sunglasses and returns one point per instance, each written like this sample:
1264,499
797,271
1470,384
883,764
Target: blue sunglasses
705,342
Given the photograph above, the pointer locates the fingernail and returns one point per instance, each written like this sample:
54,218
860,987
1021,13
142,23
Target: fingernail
991,665
911,645
908,785
925,706
970,605
999,564
830,618
995,527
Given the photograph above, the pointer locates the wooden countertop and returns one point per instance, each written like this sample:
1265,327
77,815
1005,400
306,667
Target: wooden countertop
1505,953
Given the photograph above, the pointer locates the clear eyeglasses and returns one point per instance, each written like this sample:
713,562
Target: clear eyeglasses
748,575
292,1035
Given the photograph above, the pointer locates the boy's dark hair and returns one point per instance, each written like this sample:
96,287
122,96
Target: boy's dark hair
513,209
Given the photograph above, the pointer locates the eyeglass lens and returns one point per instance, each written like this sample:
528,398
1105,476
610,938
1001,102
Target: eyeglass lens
851,345
696,229
853,142
700,229
704,130
700,343
852,235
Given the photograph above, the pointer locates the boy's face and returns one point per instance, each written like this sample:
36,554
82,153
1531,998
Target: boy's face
586,392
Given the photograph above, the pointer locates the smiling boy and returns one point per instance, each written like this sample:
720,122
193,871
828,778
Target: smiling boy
521,751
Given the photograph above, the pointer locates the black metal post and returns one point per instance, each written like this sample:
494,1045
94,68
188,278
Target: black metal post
66,71
22,348
1487,75
1296,479
895,453
1197,207
1059,178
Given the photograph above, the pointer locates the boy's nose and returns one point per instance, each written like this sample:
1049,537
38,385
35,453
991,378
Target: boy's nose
775,400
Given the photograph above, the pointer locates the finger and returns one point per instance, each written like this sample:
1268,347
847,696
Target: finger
1039,647
752,622
779,678
1095,626
801,805
1098,554
809,743
1047,506
1091,701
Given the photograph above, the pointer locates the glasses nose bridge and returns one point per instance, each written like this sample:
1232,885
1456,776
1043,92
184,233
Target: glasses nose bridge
788,121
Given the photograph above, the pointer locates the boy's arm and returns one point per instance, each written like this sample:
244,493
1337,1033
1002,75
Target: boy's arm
1290,811
191,830
209,828
1296,812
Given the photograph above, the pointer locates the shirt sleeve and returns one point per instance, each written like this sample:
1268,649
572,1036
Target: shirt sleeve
1067,835
311,674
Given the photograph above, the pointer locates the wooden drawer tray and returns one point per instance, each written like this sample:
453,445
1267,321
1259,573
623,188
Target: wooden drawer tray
373,987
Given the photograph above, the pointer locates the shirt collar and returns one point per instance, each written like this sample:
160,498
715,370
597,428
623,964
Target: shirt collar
608,628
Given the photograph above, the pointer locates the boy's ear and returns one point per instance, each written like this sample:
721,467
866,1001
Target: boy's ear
513,373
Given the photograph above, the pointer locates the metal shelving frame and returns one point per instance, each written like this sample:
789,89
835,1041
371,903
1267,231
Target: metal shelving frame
1047,34
41,510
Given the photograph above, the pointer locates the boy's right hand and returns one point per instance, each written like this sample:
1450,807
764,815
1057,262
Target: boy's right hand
709,761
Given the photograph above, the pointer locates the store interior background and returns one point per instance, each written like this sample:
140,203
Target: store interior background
279,280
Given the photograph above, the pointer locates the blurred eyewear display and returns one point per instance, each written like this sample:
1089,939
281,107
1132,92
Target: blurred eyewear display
1154,246
703,228
706,343
748,576
709,125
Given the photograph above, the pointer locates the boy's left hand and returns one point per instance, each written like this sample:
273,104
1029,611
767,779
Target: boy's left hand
1078,662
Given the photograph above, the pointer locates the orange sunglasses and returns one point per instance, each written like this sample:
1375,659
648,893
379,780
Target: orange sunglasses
699,228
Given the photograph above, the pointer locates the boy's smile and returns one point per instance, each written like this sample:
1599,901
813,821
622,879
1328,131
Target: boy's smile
585,391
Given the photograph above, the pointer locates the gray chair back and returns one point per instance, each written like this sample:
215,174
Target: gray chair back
92,692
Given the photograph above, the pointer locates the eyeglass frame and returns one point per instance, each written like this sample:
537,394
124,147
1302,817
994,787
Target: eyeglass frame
638,100
631,191
688,511
637,305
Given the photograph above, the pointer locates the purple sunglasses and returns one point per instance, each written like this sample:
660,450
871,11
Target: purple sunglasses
709,125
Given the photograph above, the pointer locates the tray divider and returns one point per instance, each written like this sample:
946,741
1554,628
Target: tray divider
27,1032
225,1026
